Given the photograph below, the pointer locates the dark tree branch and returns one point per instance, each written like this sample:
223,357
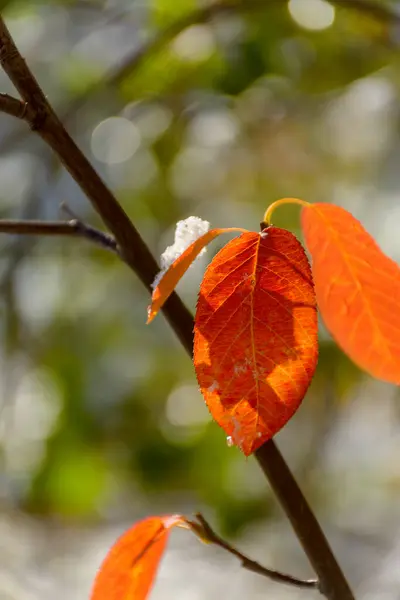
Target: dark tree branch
47,125
71,228
332,583
377,11
137,255
207,13
205,532
133,60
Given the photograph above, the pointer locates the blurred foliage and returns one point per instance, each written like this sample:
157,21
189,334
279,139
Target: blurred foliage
101,414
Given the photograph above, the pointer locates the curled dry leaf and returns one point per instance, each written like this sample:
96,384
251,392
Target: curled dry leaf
255,346
129,568
357,288
169,280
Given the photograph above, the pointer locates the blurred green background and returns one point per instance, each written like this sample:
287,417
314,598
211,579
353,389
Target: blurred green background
101,418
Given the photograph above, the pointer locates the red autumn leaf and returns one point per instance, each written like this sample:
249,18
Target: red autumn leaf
255,345
357,288
129,569
173,274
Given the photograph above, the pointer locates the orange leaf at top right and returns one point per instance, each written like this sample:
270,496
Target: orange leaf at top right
357,288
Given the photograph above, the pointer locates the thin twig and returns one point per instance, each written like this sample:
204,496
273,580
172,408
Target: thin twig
134,59
208,534
207,13
135,252
377,11
73,227
12,106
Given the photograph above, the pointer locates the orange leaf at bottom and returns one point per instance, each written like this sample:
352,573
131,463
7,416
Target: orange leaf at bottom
129,568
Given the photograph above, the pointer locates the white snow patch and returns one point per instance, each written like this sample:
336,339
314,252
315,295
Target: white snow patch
237,438
186,232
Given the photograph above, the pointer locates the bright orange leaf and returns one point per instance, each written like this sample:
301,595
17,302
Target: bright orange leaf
173,274
129,568
255,346
357,288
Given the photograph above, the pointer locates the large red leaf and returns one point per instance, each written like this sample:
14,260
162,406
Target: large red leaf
169,280
129,568
357,288
255,345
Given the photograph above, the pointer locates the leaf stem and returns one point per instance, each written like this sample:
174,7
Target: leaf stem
268,213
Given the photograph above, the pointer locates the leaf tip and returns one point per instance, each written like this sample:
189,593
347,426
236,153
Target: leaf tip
151,313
